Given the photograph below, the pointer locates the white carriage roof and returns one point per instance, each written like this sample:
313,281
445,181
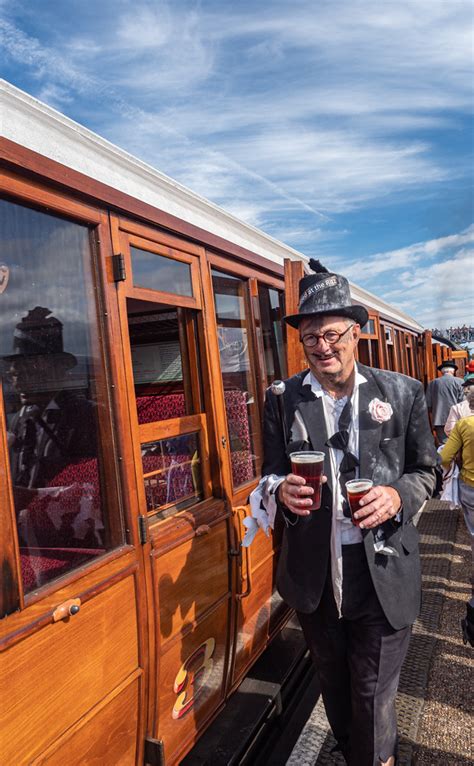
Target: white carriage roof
36,126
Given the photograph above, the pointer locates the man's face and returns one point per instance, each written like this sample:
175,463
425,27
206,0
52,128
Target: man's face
337,359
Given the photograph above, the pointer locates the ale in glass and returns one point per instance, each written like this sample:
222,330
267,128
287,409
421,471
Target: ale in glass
309,465
356,489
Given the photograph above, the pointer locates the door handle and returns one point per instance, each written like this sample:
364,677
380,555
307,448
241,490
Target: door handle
68,609
204,529
241,512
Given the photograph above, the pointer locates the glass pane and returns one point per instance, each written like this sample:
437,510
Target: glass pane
172,473
236,367
271,313
52,375
369,328
163,341
156,272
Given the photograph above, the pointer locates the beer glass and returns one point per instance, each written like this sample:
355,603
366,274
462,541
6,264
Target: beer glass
356,489
309,465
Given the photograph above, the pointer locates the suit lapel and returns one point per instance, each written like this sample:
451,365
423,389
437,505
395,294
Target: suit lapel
369,430
312,412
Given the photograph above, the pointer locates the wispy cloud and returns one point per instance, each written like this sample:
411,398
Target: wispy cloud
433,281
302,118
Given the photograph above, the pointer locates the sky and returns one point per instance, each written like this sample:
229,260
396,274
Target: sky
341,127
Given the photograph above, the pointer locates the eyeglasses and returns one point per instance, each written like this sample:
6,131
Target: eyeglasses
331,337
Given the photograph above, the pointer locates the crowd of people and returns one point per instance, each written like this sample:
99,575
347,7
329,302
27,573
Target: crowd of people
352,570
462,334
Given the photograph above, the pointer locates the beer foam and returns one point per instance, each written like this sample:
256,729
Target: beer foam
358,486
307,457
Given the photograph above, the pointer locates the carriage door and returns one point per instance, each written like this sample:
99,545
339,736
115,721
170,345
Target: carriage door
248,309
184,521
72,648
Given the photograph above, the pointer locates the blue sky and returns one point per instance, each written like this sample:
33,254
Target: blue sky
342,127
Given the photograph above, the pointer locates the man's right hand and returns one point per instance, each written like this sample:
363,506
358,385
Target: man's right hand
295,494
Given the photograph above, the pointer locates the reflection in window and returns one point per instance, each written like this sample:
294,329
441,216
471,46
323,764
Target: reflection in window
156,272
272,328
239,387
172,472
52,377
161,339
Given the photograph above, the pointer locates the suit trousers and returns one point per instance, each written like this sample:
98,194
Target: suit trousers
358,658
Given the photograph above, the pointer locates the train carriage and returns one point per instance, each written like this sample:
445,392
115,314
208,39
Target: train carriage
140,328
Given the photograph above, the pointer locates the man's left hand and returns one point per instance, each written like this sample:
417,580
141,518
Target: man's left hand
377,506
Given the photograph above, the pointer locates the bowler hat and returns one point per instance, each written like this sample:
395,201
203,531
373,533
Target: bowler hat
39,335
446,364
323,293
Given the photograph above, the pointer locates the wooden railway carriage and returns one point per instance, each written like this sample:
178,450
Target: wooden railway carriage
139,328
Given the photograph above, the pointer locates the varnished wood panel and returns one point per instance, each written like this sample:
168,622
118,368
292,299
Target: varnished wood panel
190,578
201,679
105,737
253,619
296,360
55,676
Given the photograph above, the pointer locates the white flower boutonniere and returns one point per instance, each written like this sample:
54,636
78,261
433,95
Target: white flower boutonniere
380,411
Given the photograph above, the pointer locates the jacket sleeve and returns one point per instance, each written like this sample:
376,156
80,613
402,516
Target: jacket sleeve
452,446
417,482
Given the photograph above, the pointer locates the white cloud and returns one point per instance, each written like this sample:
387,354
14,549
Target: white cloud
437,294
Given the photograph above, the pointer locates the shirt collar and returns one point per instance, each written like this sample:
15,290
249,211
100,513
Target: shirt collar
317,389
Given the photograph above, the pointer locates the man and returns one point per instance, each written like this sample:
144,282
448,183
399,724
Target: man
461,441
441,394
461,410
356,590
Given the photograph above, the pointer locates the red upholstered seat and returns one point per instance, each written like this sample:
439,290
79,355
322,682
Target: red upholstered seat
67,513
151,409
40,565
239,434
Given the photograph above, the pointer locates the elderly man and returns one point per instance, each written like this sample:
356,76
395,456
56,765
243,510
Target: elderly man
356,589
441,394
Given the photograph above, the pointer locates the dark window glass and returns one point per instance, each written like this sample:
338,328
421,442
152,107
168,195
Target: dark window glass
172,473
163,340
156,272
237,374
272,332
54,392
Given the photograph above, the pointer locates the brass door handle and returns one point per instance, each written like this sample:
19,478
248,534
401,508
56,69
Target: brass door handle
68,609
241,512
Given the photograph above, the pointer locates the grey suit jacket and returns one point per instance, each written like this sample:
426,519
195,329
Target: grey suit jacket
399,453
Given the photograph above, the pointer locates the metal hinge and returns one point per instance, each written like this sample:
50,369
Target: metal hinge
234,552
154,752
118,267
143,529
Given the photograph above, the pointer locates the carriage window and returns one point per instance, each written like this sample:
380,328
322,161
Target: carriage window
172,473
272,328
162,340
156,272
55,396
237,366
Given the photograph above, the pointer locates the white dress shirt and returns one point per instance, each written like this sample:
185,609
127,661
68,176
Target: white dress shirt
343,531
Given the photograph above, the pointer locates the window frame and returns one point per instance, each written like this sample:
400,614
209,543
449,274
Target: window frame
28,193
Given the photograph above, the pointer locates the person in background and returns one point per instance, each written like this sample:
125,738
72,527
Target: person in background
356,597
441,394
461,439
462,409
